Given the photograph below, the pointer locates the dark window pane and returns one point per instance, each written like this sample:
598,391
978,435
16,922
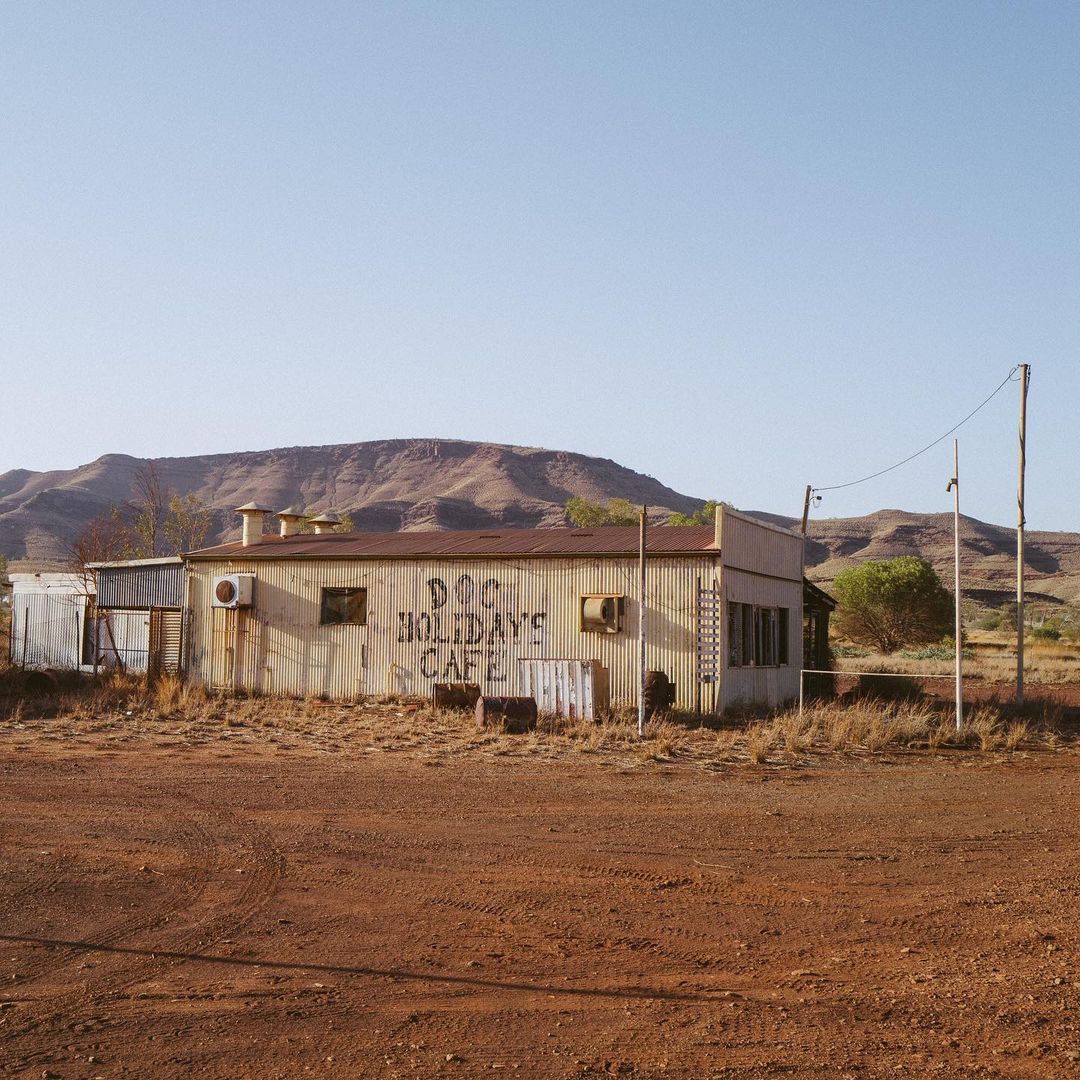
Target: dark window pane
343,606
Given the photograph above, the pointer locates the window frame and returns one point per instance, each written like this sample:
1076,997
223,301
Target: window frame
758,635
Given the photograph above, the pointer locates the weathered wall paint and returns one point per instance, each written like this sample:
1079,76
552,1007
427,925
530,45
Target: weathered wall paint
439,621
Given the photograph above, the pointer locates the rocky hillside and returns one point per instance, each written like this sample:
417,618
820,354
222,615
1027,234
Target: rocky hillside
987,552
449,484
385,486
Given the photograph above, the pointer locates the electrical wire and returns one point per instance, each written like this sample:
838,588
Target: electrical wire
929,446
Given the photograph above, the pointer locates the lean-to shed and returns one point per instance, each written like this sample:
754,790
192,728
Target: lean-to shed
140,604
344,615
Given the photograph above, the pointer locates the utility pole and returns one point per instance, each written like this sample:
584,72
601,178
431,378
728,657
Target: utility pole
1025,377
954,486
641,631
806,507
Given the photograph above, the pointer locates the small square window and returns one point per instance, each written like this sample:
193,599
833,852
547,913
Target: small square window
343,606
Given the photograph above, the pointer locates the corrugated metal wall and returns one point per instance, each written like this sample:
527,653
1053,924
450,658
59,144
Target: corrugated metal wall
152,585
123,639
762,566
753,545
440,621
46,629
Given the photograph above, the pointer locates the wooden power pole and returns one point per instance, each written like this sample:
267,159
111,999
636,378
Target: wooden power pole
806,507
1025,377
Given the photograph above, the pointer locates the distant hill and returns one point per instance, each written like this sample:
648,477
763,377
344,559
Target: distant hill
987,552
391,485
409,484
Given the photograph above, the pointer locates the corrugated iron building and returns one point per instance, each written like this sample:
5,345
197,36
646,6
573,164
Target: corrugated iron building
344,615
140,615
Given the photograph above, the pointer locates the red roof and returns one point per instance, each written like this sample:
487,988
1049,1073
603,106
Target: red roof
609,540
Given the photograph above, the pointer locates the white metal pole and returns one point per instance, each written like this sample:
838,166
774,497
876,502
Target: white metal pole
955,485
641,630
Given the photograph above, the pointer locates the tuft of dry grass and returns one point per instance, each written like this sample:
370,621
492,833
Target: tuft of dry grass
759,741
1017,733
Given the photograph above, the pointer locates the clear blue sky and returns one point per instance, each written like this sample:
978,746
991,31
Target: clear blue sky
742,247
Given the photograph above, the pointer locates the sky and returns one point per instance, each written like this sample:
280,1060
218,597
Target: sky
740,247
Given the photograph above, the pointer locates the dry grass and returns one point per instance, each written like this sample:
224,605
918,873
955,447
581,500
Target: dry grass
119,708
1049,663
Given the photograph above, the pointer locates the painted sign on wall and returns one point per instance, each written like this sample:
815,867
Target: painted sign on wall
467,630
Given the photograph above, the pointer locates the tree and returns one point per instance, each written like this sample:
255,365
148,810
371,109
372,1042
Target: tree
186,523
589,515
150,503
107,538
893,602
705,516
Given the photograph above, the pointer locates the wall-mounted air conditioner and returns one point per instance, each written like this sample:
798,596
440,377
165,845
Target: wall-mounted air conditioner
233,590
602,612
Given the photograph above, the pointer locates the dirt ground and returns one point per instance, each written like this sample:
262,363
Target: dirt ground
250,908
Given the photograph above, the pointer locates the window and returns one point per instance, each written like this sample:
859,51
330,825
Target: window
340,606
757,636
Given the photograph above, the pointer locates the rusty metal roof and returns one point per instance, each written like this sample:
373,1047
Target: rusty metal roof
609,540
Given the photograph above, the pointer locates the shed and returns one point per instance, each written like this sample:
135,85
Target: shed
49,622
344,615
141,601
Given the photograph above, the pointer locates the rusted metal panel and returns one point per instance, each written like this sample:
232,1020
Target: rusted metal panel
146,584
439,620
618,540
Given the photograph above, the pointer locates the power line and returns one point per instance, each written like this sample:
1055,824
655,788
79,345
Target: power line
929,446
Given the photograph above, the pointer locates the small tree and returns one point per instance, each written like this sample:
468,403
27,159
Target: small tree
705,516
892,603
107,538
185,524
150,502
589,515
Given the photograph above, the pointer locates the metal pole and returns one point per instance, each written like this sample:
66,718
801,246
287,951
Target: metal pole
955,485
1025,375
806,507
641,630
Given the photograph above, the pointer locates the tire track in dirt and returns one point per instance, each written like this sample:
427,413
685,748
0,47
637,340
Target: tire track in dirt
127,969
191,838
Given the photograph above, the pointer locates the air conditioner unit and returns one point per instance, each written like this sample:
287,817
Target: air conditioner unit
602,612
233,591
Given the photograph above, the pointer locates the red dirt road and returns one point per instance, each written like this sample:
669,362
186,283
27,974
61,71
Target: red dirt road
198,912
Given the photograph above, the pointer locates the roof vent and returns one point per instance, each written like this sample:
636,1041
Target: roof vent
253,515
290,519
325,523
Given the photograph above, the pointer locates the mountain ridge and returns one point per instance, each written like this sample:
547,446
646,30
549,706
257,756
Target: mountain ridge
394,484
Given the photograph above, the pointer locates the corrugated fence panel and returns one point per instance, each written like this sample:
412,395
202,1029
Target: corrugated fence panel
439,620
123,638
46,629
